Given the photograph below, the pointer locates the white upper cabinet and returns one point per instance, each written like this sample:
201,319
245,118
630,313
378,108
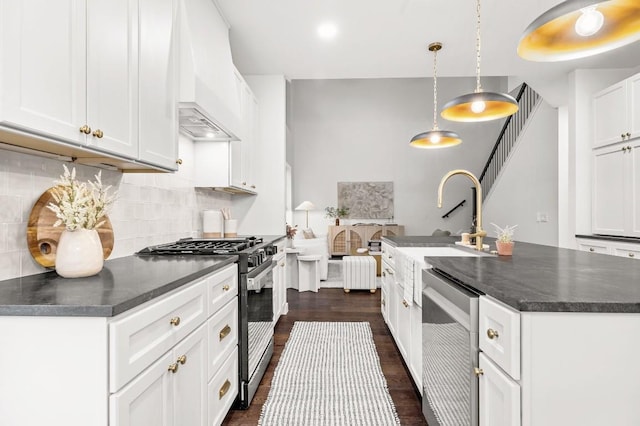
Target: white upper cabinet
112,70
158,132
99,75
616,112
43,59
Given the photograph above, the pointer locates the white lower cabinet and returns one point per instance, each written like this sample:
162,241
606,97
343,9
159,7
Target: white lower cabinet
403,329
170,392
280,306
616,248
154,365
499,396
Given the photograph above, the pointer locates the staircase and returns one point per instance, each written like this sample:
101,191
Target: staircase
527,99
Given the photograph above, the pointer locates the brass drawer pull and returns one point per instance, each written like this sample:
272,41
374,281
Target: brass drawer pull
631,255
404,302
98,133
173,368
175,321
226,287
182,359
491,334
592,249
224,389
179,161
85,129
225,332
478,371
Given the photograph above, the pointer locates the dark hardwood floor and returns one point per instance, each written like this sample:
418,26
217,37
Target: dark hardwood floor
332,304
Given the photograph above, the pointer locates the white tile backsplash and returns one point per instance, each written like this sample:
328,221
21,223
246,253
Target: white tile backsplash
151,208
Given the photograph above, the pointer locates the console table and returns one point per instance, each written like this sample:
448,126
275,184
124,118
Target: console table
344,240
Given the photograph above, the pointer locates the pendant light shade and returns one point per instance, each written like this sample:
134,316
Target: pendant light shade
579,28
435,138
479,105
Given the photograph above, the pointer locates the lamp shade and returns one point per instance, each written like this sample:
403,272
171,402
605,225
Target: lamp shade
579,28
435,139
306,205
479,106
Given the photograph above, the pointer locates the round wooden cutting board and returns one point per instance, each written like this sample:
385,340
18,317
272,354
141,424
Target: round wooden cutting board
42,236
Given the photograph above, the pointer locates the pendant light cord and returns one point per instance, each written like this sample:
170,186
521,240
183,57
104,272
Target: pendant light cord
478,85
435,89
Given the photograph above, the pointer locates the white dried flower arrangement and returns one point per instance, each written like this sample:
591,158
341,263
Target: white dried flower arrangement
505,235
78,205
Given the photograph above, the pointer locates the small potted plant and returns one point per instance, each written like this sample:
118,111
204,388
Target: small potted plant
336,213
505,242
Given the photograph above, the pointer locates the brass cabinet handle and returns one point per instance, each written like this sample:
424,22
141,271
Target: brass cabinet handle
629,148
224,389
478,371
253,186
244,183
622,135
225,332
85,129
98,133
631,255
404,302
282,264
173,367
179,161
226,287
592,249
624,149
175,321
182,359
491,334
628,135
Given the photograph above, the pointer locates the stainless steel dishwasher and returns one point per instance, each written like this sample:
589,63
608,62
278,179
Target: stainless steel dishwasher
449,351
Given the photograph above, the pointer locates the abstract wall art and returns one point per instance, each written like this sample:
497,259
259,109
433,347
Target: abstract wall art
366,200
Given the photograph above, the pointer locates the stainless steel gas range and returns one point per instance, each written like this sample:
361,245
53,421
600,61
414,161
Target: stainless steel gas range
255,298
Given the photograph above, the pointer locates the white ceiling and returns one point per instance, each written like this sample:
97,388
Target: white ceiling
389,38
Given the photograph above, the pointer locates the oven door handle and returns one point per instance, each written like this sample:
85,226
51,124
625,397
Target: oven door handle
257,278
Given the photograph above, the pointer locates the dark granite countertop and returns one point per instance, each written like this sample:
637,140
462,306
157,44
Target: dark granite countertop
541,278
121,285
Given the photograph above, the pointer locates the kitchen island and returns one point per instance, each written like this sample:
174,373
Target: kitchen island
558,334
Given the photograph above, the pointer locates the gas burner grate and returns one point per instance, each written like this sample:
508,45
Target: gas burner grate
207,246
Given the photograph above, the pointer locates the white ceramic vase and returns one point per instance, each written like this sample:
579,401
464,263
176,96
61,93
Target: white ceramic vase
79,253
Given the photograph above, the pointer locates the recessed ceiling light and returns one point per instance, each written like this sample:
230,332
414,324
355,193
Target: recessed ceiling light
327,30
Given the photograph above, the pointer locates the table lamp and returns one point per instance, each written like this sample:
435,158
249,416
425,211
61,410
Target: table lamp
306,206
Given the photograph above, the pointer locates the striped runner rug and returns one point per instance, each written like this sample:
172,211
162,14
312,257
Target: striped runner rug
329,374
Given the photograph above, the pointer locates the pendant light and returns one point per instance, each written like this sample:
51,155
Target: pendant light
435,138
579,28
479,105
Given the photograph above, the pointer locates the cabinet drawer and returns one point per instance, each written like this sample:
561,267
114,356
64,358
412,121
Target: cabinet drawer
223,389
139,338
223,335
594,247
388,275
389,254
627,252
222,287
499,335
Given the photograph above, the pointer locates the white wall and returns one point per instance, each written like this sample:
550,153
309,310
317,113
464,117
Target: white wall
264,214
151,208
528,183
359,130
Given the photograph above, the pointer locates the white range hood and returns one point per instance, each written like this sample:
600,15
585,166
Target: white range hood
209,107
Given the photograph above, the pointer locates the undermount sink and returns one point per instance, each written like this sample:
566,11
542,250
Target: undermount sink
441,251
